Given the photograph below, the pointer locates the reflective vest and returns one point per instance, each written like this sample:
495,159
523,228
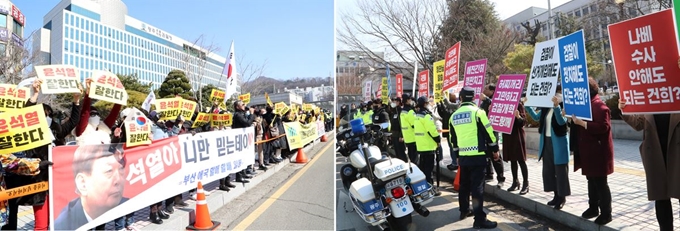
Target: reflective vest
407,118
358,115
425,131
368,117
465,122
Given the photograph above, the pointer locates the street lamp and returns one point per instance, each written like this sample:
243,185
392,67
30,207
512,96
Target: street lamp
620,3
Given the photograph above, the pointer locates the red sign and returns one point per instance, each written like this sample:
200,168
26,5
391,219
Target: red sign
400,85
378,94
424,83
16,14
451,66
645,56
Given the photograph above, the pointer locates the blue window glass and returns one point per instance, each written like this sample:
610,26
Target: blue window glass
65,18
70,46
71,21
77,22
70,31
82,23
87,38
66,47
87,25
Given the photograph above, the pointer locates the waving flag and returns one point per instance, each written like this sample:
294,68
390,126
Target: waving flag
230,70
149,101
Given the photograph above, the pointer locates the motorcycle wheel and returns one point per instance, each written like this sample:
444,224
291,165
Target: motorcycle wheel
399,224
348,174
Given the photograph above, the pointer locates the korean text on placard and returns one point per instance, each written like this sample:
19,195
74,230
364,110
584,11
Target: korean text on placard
152,165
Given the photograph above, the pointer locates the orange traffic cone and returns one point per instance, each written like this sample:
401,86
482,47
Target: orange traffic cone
203,221
301,158
323,138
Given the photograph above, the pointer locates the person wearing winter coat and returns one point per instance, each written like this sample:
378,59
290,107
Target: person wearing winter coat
17,166
593,147
40,201
515,151
554,149
91,130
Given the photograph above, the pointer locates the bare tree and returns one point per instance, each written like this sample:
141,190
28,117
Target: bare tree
404,28
195,58
248,71
18,59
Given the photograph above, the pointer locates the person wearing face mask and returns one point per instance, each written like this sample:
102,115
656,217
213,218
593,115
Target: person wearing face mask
397,139
91,130
427,138
368,114
242,118
407,118
40,201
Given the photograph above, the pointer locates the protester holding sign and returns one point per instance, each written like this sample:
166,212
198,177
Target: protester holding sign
554,149
40,201
515,151
659,158
242,119
592,144
91,130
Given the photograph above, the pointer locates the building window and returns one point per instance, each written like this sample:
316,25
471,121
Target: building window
87,25
3,20
585,11
18,28
577,13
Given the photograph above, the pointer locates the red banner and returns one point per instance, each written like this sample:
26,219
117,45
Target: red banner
378,93
451,66
400,85
645,57
424,83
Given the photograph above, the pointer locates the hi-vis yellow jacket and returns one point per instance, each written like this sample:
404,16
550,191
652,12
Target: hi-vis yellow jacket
368,117
470,132
407,118
425,131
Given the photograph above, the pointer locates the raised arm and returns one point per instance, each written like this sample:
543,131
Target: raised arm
532,113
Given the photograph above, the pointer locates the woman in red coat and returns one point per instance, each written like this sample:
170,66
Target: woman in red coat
592,145
515,151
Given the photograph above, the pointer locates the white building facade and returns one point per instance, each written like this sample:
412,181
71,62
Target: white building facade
99,35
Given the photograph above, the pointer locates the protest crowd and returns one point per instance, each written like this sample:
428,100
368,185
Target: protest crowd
475,117
89,128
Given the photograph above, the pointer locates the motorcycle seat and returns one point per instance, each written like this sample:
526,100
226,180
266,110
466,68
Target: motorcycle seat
372,162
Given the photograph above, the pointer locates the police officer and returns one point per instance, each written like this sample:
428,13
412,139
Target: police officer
380,115
358,112
427,138
397,139
406,119
473,140
368,114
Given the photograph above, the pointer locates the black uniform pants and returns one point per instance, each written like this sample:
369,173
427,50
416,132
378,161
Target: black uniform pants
426,164
664,214
412,152
497,166
472,182
399,148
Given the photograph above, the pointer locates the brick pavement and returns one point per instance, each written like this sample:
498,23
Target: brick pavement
631,209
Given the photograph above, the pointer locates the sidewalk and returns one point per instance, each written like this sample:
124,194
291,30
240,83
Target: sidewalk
183,216
631,209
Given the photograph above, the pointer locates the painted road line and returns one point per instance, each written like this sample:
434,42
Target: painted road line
502,226
629,171
243,225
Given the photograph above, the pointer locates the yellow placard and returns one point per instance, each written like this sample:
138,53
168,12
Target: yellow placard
107,87
13,97
281,108
137,132
219,120
269,101
306,107
385,95
217,95
58,79
245,98
168,109
188,108
23,129
438,70
201,120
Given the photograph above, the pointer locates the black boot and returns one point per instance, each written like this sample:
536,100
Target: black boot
525,188
153,217
591,212
163,215
560,202
554,200
240,178
603,219
514,186
222,186
487,224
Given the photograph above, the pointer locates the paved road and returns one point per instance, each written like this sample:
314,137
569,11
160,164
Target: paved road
443,212
299,197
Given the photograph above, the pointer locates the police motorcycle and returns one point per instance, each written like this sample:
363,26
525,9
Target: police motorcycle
386,191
